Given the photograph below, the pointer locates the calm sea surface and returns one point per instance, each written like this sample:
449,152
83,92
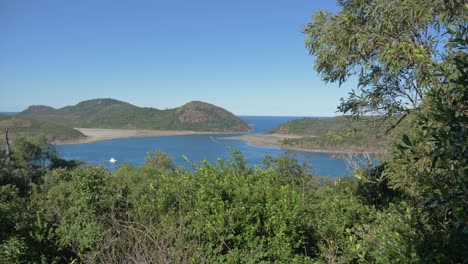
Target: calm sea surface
196,148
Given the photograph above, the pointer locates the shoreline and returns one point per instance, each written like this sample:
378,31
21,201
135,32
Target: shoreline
274,140
100,134
260,140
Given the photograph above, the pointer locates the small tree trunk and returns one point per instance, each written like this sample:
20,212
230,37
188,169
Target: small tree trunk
7,154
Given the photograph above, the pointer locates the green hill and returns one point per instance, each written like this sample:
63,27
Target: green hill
341,133
19,126
110,113
313,126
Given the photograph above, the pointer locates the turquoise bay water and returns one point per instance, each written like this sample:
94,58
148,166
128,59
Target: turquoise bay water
196,148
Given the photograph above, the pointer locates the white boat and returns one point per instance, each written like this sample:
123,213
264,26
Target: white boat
112,160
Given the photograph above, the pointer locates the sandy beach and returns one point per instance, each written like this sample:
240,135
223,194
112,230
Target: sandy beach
275,140
264,140
98,134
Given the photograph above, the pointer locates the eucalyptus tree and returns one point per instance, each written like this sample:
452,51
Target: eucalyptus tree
408,56
393,47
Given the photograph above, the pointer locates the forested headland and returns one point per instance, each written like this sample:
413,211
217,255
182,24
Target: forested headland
343,134
59,124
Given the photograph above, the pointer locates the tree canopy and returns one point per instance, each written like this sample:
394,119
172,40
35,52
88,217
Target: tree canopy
408,56
393,47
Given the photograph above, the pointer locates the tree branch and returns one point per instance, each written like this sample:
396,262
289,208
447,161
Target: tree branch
397,123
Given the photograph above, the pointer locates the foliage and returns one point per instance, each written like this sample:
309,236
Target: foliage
10,204
159,160
374,189
435,156
219,212
409,57
334,211
388,45
26,163
392,237
22,174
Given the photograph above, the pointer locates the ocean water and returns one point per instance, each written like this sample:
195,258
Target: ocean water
196,148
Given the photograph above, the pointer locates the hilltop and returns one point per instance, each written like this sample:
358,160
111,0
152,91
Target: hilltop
312,126
114,114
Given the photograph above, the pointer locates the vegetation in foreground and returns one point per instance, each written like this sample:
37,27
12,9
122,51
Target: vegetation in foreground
411,208
56,211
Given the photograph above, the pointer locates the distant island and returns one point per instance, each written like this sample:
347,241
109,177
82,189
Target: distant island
335,134
99,119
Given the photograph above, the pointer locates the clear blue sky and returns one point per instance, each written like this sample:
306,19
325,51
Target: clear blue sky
247,56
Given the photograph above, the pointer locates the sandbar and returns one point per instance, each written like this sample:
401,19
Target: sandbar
264,140
99,134
276,140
